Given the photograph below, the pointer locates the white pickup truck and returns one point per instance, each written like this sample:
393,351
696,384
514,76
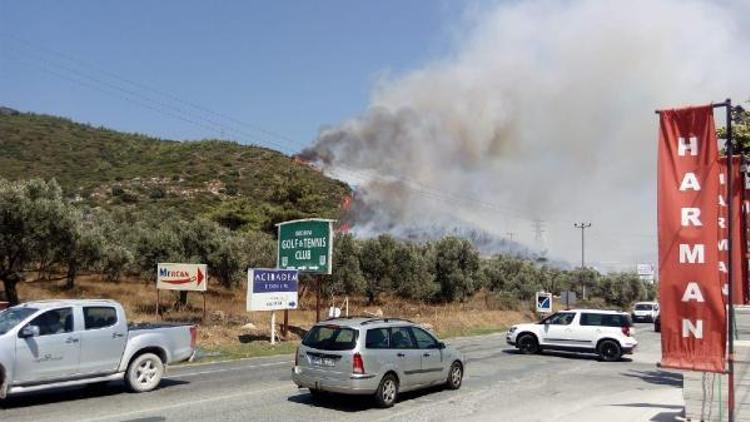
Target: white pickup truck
62,343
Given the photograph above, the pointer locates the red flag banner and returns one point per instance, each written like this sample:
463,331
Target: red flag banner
745,227
739,265
693,324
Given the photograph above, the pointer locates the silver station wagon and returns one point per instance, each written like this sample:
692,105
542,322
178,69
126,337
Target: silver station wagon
374,356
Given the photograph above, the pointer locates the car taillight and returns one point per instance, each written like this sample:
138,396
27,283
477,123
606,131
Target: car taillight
358,365
193,336
296,357
626,330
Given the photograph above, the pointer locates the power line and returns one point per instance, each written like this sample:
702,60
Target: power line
157,91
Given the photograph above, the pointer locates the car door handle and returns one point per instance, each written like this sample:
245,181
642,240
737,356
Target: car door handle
401,355
426,355
71,340
117,335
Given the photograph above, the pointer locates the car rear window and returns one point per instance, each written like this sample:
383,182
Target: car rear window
331,337
644,307
605,320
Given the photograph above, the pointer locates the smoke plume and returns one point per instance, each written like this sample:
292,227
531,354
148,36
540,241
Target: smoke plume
544,111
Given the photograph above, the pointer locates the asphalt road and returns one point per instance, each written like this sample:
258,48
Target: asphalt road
500,385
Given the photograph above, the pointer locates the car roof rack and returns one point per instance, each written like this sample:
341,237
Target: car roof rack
385,319
348,317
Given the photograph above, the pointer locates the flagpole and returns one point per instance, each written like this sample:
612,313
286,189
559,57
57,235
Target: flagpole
730,295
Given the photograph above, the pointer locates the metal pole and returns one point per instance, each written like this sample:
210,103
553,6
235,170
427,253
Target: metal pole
730,295
583,226
204,307
157,303
317,298
285,327
273,327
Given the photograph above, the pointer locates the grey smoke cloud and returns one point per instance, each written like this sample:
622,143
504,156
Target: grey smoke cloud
544,110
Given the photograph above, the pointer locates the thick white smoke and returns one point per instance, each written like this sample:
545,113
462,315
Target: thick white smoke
545,110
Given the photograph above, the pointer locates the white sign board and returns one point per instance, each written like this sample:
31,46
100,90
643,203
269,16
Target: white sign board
645,272
192,277
543,302
271,289
645,269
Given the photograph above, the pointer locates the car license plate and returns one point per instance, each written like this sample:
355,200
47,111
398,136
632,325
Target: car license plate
317,361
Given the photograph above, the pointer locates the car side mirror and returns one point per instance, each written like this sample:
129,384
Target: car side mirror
441,345
29,331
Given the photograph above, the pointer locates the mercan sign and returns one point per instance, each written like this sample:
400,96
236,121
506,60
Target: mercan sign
306,245
271,289
188,277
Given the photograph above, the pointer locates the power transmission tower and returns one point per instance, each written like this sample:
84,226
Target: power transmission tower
539,238
510,234
583,226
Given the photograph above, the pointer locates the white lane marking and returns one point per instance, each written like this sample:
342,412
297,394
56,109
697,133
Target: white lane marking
220,370
184,404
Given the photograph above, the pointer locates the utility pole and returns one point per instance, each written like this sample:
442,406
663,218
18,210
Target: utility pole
510,234
583,226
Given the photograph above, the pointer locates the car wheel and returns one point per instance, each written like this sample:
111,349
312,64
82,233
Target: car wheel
527,344
455,376
144,373
387,392
609,351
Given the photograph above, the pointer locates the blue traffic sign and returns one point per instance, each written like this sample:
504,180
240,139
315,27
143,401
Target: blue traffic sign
543,302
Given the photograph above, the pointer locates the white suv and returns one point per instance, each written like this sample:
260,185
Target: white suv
606,333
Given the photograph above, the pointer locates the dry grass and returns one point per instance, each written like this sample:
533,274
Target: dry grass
225,329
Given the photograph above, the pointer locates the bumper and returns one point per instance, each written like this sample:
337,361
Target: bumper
355,384
629,348
510,340
642,318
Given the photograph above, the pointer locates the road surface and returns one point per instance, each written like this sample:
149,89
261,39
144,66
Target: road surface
500,384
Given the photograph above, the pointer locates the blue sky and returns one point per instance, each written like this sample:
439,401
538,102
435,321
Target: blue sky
288,67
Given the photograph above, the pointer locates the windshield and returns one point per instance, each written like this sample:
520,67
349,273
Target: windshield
644,307
11,317
331,337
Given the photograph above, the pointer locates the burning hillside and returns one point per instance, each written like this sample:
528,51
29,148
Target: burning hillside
544,112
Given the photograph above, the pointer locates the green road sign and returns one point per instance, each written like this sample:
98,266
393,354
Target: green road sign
305,245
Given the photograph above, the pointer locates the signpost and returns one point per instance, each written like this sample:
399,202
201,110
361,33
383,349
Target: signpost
568,297
182,277
543,302
645,272
272,290
307,246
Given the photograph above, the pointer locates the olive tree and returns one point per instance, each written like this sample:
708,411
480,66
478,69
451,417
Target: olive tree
33,215
456,268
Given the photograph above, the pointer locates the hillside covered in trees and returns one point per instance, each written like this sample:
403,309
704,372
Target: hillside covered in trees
240,186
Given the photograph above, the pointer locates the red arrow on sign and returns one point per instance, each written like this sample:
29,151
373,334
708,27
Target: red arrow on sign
178,281
200,277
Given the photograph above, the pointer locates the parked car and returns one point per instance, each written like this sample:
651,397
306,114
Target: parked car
382,357
62,343
645,311
606,333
